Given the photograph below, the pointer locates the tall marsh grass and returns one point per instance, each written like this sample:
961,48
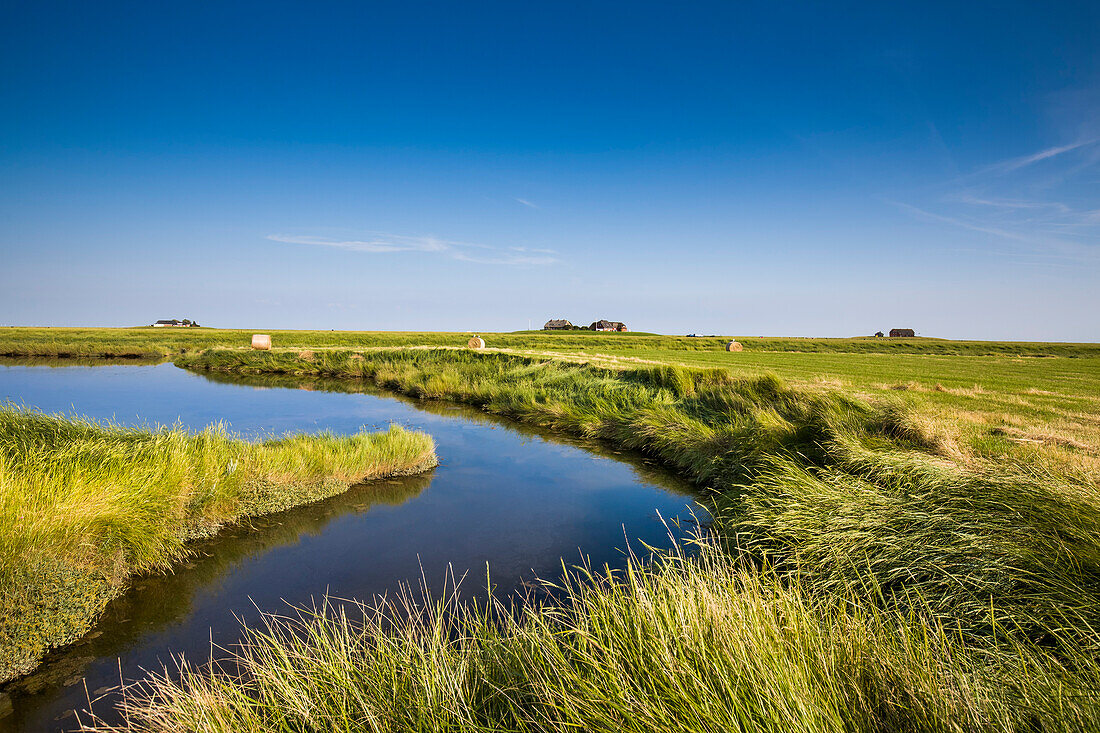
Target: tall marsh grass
821,485
85,505
698,643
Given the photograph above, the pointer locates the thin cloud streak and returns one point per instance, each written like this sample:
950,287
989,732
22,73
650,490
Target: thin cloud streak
525,202
396,243
1030,200
929,216
1026,160
1037,245
1013,165
1014,204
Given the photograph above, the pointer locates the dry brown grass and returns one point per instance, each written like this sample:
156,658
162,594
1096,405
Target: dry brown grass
1024,436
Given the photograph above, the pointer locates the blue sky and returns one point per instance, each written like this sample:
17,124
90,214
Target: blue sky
735,168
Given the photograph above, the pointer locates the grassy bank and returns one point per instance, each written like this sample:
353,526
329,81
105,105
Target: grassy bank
866,570
701,644
84,506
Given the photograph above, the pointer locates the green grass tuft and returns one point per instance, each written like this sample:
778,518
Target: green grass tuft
690,644
83,506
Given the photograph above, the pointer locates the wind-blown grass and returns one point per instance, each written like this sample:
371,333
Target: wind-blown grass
826,487
83,506
1016,548
686,644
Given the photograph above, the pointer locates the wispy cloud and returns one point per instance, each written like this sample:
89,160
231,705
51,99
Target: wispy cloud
974,227
1013,164
525,202
1038,246
1014,204
378,243
1041,208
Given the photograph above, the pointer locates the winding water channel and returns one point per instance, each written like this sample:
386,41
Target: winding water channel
504,495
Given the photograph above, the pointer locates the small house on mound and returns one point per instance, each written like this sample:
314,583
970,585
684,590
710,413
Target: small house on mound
557,325
173,323
902,333
608,326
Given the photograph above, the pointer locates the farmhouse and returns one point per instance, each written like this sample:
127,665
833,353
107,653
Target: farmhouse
173,323
557,325
608,326
901,333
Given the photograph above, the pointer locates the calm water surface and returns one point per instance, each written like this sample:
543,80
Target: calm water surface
504,496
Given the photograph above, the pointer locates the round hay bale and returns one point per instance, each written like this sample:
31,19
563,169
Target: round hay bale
734,346
261,341
476,343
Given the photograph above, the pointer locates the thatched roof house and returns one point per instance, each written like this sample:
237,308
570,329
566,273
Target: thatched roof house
902,333
608,326
557,325
174,323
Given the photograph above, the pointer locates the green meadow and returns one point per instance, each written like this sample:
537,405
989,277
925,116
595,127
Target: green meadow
149,341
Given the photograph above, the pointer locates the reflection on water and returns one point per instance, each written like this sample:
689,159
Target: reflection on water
505,496
157,601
